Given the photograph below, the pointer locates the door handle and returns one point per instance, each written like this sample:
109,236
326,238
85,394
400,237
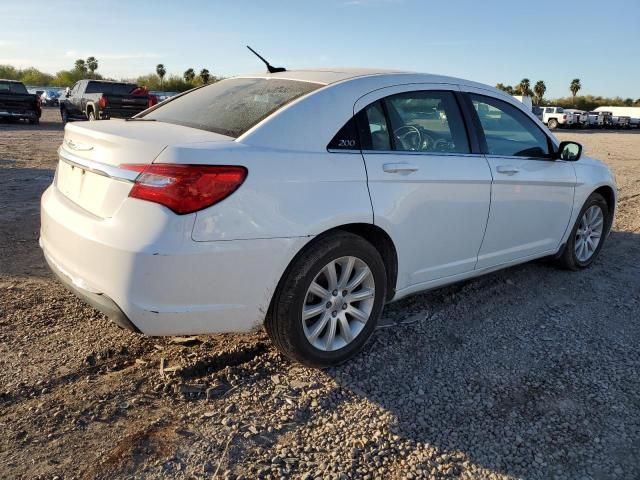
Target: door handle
401,168
507,169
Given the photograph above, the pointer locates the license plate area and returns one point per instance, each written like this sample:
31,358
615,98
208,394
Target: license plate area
98,194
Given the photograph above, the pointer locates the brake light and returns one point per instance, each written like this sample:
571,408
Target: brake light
153,100
102,102
185,188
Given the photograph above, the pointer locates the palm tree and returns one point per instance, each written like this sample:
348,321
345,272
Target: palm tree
539,89
161,71
575,88
92,65
81,66
189,75
205,75
524,86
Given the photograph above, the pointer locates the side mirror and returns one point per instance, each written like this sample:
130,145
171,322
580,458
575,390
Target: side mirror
570,151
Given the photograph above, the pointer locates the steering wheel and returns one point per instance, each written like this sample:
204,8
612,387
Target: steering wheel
409,137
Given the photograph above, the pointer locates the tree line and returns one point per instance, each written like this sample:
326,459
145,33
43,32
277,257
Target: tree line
87,69
586,102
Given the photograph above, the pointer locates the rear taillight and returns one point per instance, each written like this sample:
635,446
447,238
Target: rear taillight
185,188
153,100
102,102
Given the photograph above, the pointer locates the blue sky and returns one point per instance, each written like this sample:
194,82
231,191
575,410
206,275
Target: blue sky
487,41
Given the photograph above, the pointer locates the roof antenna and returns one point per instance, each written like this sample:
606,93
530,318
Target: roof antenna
269,67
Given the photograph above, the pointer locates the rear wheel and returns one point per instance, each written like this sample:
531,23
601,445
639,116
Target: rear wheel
588,234
552,124
64,115
91,115
329,301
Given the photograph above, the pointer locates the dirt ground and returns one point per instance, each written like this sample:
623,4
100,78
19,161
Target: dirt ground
531,372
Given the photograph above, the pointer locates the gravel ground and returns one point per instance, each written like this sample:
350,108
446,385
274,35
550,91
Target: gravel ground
531,372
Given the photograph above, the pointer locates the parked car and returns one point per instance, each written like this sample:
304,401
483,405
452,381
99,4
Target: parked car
538,112
595,119
16,103
580,117
266,200
101,100
162,96
620,121
554,117
50,98
632,112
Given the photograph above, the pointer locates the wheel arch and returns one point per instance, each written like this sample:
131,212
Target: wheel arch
375,235
610,197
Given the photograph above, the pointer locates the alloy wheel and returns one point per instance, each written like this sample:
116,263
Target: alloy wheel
589,233
338,303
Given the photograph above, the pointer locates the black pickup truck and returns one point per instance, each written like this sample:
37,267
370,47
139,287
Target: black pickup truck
101,100
16,103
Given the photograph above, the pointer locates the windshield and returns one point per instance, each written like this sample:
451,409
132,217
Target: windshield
12,87
231,107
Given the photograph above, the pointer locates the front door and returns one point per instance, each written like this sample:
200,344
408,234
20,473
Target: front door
532,194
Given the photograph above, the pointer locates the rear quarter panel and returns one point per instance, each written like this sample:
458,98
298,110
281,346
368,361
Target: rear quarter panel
287,193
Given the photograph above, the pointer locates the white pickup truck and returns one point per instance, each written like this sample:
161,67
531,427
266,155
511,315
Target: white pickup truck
554,117
580,117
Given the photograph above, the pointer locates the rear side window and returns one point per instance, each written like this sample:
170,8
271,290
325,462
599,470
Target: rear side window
12,87
507,130
110,88
231,107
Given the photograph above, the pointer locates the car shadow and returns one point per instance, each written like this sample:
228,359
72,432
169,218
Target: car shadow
502,371
23,125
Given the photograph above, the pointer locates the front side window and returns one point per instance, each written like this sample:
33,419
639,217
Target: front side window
507,130
233,106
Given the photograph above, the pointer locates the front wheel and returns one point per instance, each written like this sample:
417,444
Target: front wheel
588,234
329,301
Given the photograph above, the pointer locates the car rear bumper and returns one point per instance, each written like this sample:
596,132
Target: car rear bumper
10,114
99,301
141,267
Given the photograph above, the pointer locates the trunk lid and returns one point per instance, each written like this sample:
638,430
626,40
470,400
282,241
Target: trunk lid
88,171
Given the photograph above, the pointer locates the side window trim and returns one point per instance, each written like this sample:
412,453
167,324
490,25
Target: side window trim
471,121
483,141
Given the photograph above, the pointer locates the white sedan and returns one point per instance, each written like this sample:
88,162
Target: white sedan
305,200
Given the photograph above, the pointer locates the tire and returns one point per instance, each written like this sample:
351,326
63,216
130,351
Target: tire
91,115
34,121
64,116
569,258
284,323
552,124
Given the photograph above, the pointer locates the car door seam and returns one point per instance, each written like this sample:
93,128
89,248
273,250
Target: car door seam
486,225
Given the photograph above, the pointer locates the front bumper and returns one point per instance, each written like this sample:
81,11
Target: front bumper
142,266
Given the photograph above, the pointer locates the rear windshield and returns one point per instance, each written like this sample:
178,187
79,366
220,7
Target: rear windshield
231,107
12,87
110,88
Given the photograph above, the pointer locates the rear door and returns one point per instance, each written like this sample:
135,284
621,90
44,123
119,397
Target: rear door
532,194
428,190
